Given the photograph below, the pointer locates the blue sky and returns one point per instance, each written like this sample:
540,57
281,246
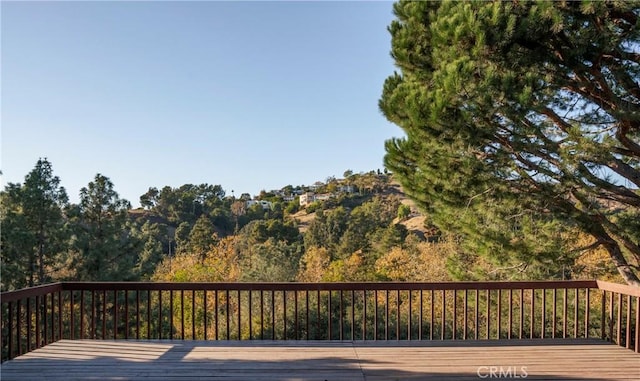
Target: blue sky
248,95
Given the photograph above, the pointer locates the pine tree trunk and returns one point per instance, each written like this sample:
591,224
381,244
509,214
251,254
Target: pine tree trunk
620,261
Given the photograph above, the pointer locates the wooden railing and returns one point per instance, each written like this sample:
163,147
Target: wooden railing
34,317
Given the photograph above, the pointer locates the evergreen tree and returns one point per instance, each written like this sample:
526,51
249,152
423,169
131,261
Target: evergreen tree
521,121
102,238
202,237
33,226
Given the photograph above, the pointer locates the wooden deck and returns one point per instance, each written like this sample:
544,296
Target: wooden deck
574,359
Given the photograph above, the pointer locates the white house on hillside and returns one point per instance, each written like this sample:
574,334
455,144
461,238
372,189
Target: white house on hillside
266,205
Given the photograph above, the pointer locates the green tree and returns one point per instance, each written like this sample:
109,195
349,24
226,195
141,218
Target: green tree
149,247
102,234
521,121
34,233
403,211
202,237
326,229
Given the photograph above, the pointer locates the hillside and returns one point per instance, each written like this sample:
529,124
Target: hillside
414,223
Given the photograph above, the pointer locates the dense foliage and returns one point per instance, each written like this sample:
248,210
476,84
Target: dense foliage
522,127
190,233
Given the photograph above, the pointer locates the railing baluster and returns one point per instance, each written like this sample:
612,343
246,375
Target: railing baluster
295,312
420,318
137,314
29,327
81,314
104,314
454,316
353,315
228,318
544,314
341,317
375,315
193,314
521,332
45,319
126,314
603,317
628,332
611,323
488,314
171,333
397,314
477,315
93,314
53,323
576,321
205,308
386,318
306,301
250,316
553,319
443,325
466,315
38,337
182,314
273,315
533,314
499,314
564,314
261,315
637,344
160,316
364,314
409,320
239,318
215,312
318,322
71,316
115,313
587,308
510,314
619,322
284,313
10,338
148,314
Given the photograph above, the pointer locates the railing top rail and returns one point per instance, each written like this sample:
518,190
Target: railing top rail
13,296
619,288
280,286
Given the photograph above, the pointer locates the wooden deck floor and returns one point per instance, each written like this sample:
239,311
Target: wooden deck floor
331,361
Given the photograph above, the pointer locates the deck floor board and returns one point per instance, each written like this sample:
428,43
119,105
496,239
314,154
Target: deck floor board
558,359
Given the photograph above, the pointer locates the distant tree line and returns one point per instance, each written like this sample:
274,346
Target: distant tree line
199,233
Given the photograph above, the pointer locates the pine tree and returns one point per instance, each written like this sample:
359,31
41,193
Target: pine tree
521,122
102,234
33,226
